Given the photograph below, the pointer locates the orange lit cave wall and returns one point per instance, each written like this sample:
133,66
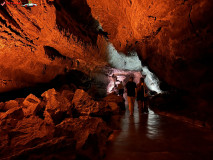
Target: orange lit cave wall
174,37
25,32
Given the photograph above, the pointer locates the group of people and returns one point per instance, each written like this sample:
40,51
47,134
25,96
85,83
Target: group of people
134,92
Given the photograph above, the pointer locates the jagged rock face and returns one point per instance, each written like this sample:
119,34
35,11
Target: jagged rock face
172,36
32,48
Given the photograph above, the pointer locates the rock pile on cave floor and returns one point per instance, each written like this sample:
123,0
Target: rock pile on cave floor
60,125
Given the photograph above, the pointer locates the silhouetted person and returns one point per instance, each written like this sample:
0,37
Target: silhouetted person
141,95
121,89
131,94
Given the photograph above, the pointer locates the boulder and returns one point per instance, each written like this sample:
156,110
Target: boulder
120,101
4,140
20,101
57,105
30,132
67,94
56,148
9,119
10,104
89,132
83,103
31,105
114,107
14,113
102,110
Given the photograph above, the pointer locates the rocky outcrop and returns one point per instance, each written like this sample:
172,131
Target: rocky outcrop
57,106
10,104
49,127
83,103
15,113
84,128
114,100
31,105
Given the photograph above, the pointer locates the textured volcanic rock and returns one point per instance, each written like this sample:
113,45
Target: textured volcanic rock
56,148
31,105
57,105
75,16
15,113
28,133
9,119
90,133
112,97
85,105
115,108
33,50
10,104
42,132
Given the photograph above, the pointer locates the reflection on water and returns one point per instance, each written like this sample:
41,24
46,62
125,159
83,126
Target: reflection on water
153,125
151,136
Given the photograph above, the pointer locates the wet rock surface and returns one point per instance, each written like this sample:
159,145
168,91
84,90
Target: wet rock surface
152,136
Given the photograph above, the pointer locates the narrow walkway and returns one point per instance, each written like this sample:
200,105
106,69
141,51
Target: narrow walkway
154,137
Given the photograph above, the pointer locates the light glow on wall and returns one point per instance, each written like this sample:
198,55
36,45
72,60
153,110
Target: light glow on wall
132,63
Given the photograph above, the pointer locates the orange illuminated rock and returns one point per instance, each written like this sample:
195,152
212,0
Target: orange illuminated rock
11,104
83,103
84,128
115,108
9,119
30,132
115,99
14,113
57,105
31,104
26,33
67,94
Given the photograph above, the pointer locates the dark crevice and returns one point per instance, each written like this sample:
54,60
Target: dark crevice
78,78
157,31
153,17
190,20
52,53
14,31
7,16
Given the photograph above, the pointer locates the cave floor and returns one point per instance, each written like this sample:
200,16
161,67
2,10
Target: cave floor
154,137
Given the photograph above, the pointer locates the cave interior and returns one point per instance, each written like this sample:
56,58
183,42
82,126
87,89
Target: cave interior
61,62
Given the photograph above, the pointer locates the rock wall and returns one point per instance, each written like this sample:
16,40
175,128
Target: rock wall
174,37
32,48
